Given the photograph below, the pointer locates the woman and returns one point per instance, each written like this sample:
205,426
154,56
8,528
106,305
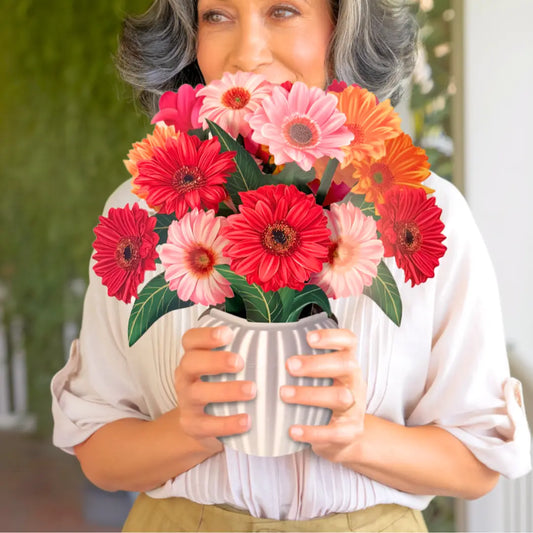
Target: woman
424,409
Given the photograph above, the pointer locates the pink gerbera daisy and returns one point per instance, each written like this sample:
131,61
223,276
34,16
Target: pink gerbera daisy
229,100
411,231
279,238
301,125
354,254
125,249
193,248
186,173
180,109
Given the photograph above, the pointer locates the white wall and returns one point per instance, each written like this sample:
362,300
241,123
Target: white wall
498,80
498,176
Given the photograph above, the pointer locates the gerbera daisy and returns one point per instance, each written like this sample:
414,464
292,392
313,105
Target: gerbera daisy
301,125
227,101
125,249
370,122
193,248
411,231
279,238
186,173
354,254
180,109
403,164
144,150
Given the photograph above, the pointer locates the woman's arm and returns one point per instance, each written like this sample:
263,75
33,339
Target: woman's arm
420,460
138,455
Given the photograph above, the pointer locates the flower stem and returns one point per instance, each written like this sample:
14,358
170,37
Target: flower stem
325,182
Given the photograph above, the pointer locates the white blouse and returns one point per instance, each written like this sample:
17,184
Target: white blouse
445,365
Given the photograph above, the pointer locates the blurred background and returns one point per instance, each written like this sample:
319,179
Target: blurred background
66,124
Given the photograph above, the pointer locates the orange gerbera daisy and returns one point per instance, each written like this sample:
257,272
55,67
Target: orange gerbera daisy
403,164
144,150
371,123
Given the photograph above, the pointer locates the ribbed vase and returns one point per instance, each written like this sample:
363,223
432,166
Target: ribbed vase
265,347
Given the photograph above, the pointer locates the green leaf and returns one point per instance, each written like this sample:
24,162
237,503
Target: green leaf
384,292
293,174
202,134
162,224
311,294
154,301
247,176
367,208
325,182
260,306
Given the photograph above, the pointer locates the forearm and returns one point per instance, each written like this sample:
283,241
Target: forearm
419,460
136,455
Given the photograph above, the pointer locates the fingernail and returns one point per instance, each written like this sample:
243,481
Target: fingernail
294,364
313,337
249,389
244,421
223,334
287,392
234,361
297,433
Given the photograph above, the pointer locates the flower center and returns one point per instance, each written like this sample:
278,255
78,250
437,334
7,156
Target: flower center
201,261
279,238
342,254
409,236
301,132
358,132
381,174
186,179
236,98
127,253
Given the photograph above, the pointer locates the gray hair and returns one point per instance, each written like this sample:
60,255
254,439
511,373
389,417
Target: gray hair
373,45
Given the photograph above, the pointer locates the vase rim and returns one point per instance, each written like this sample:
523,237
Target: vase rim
237,320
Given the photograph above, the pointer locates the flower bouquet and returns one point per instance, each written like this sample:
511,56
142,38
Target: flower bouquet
267,200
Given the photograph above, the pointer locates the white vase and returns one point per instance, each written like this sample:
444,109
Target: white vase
265,347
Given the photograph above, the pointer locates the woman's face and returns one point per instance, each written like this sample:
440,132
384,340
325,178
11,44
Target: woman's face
282,40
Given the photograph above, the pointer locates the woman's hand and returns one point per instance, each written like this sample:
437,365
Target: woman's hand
193,394
346,397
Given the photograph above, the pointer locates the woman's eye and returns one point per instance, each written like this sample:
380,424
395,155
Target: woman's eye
283,12
213,17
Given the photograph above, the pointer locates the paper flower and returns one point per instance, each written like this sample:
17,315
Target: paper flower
354,254
370,122
301,125
193,249
403,164
144,150
279,238
411,231
125,249
186,173
180,109
228,100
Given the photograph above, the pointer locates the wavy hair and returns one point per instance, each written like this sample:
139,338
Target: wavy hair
374,45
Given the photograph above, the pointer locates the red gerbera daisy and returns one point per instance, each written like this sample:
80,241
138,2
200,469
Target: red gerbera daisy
186,173
411,231
279,238
125,249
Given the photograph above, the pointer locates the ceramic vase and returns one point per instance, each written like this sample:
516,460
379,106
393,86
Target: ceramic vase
265,347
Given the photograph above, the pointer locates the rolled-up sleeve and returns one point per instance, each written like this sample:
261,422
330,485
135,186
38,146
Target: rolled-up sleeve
469,391
96,386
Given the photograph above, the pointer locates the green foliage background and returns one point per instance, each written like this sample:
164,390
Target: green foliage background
66,123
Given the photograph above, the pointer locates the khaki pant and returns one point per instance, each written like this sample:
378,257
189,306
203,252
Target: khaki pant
179,514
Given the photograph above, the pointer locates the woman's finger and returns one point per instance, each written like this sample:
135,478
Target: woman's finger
204,426
201,393
340,364
196,363
206,338
330,435
332,339
338,398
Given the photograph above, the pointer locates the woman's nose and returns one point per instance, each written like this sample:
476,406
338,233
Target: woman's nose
252,47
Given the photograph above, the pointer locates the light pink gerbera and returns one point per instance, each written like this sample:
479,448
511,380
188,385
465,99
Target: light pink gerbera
354,254
193,248
301,125
227,101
